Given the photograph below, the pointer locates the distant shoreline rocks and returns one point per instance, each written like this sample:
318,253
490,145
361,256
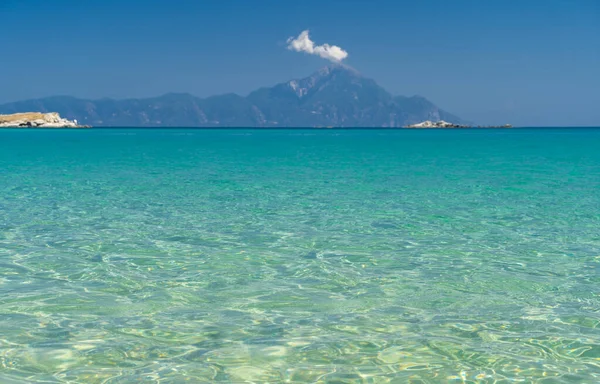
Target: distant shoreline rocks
37,120
445,124
54,120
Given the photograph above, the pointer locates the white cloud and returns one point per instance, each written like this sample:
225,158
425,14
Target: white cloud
303,43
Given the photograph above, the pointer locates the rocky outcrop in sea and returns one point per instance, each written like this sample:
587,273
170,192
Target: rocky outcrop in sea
37,120
436,124
445,124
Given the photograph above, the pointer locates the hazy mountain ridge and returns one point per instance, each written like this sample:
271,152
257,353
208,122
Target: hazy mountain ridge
333,96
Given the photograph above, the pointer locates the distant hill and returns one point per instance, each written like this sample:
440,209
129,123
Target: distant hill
334,96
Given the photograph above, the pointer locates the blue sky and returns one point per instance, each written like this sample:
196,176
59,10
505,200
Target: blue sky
528,62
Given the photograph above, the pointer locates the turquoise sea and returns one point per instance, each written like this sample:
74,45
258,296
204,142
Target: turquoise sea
300,256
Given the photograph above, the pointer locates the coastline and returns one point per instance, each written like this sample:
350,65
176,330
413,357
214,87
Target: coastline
25,120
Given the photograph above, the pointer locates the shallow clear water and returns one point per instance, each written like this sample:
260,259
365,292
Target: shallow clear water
299,256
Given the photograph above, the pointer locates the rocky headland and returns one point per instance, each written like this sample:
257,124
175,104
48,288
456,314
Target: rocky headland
37,120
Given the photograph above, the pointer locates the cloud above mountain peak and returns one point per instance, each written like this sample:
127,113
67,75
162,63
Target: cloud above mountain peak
303,43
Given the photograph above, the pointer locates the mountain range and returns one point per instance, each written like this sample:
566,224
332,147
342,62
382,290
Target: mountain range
335,96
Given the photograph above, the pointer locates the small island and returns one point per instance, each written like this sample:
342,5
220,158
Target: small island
445,124
37,120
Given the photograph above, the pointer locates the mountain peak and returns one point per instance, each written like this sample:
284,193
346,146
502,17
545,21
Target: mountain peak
334,68
333,73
